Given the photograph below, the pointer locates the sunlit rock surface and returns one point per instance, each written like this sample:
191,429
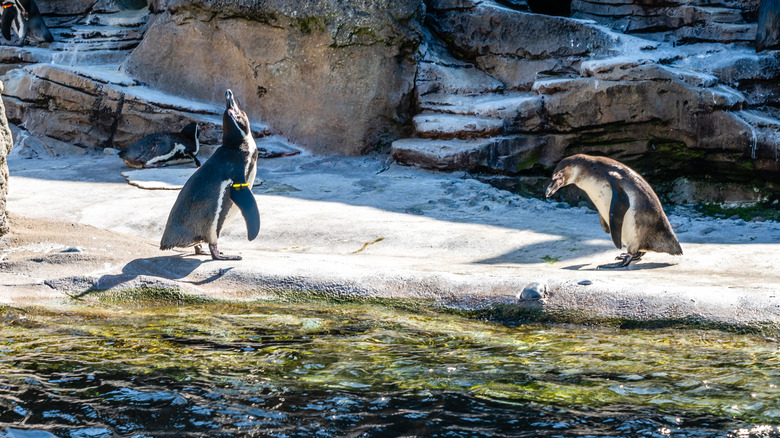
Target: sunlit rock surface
6,144
332,76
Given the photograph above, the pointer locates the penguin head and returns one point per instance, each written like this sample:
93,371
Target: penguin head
235,123
565,173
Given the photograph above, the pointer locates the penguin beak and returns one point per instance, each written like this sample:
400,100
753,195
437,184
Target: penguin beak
555,184
230,101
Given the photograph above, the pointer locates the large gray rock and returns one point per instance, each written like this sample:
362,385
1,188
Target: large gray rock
59,106
334,76
6,144
515,46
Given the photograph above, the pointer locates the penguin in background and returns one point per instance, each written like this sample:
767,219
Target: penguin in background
163,149
768,30
218,189
24,18
629,209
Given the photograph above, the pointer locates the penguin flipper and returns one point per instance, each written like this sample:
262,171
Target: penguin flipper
604,224
194,158
617,211
9,14
245,200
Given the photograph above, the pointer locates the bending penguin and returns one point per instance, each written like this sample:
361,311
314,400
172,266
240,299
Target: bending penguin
628,207
24,17
163,149
218,189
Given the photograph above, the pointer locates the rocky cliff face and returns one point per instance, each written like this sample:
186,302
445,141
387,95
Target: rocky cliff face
334,76
675,88
6,144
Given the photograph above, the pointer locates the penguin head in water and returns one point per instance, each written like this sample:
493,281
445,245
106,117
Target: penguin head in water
235,123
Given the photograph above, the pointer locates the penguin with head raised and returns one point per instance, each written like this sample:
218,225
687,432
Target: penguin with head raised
163,149
628,207
24,18
217,190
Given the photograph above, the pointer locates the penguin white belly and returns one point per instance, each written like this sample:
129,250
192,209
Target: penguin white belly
251,171
177,148
213,232
600,193
629,234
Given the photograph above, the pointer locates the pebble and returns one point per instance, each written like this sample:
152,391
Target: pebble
73,249
585,283
533,292
707,230
758,219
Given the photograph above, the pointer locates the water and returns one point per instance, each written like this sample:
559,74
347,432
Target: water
322,370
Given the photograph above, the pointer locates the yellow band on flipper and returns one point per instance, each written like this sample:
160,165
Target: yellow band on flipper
240,186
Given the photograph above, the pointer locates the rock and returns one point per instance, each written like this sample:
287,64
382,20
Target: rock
768,32
585,283
332,76
73,249
65,7
73,110
510,154
707,230
443,126
533,292
6,145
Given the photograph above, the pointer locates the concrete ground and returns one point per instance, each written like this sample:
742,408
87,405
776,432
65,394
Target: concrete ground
368,227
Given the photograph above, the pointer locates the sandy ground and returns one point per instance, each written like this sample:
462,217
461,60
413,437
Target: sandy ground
365,226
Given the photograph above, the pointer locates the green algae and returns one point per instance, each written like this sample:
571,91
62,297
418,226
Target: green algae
768,210
380,346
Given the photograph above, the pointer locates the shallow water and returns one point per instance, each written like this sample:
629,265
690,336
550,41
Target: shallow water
314,369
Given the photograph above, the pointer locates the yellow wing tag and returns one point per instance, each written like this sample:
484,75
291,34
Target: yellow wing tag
240,186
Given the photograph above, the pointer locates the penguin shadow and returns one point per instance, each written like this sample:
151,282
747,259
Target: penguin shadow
632,267
559,252
173,267
548,252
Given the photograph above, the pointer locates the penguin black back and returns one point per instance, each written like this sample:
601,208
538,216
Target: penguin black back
218,190
165,148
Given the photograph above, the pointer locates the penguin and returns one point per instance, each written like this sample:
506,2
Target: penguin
217,190
24,17
163,149
768,30
629,209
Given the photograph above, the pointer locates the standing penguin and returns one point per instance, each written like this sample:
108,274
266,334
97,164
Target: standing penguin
628,207
218,190
164,149
24,17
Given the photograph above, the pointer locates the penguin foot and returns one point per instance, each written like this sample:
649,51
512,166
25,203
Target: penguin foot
199,250
216,255
624,258
634,258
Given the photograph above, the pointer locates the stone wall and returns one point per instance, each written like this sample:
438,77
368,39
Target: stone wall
333,76
6,144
